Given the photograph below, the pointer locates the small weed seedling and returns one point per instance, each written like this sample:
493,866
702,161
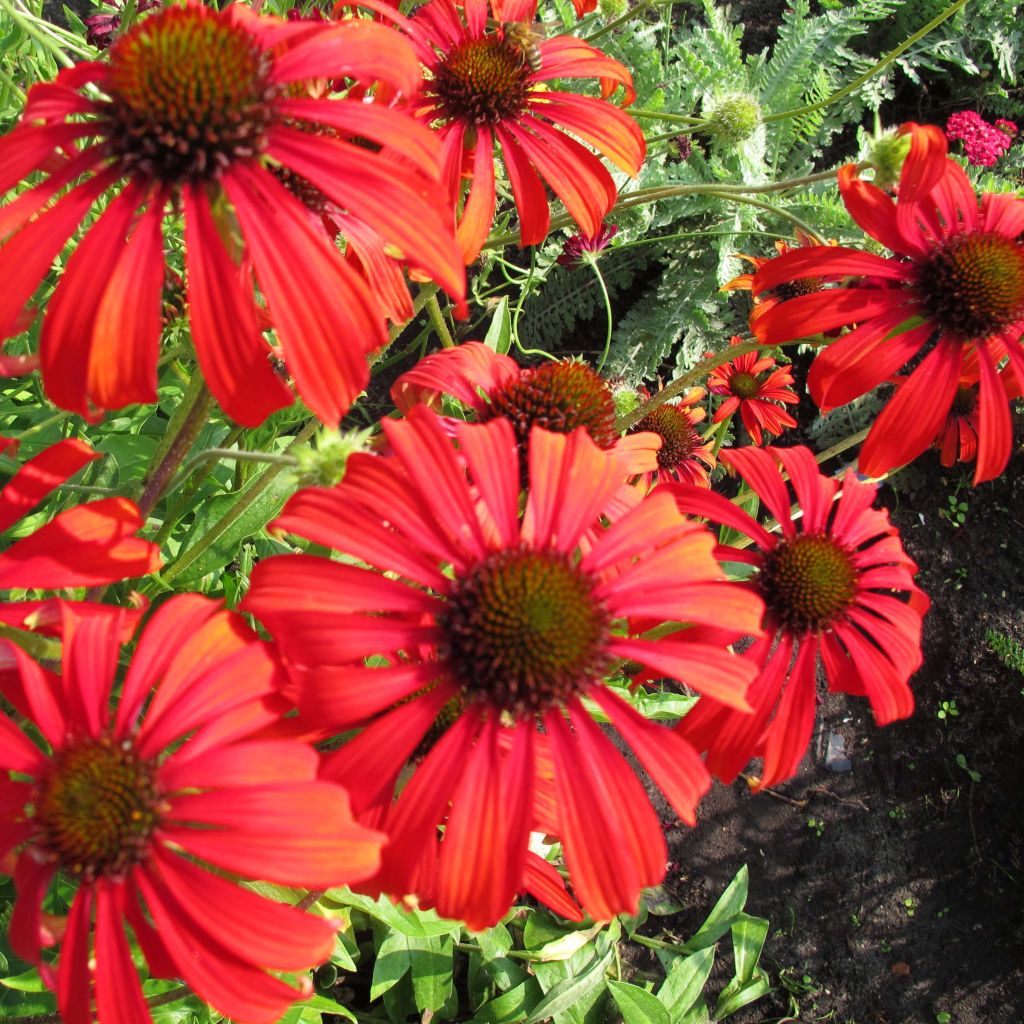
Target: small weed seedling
910,905
947,710
961,762
817,826
955,512
1006,649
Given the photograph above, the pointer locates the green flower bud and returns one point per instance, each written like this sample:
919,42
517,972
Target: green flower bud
324,465
733,118
886,153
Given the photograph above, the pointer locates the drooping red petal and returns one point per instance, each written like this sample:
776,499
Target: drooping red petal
73,988
912,419
995,430
293,834
225,327
789,733
462,372
669,759
40,475
253,928
483,853
527,190
321,308
84,546
118,992
543,882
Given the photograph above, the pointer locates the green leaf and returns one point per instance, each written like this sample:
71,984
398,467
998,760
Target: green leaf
415,923
637,1005
263,508
736,995
511,1006
567,945
685,980
748,935
431,966
390,965
720,920
28,981
494,941
570,991
499,334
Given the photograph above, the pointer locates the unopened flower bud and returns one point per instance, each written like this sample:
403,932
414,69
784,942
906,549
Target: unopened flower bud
733,118
324,465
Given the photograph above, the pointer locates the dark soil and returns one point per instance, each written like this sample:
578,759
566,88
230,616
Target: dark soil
906,898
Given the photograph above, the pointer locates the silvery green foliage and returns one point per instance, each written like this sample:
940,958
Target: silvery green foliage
691,62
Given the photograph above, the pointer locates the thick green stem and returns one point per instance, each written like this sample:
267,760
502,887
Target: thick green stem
397,330
50,421
437,319
41,648
633,12
779,211
875,69
695,375
245,499
188,420
663,115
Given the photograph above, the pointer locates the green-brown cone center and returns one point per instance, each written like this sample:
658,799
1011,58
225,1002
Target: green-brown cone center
97,808
481,81
679,437
808,582
560,397
190,95
524,631
744,385
973,285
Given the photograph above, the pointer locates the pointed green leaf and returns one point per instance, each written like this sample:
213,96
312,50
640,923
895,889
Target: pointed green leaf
637,1005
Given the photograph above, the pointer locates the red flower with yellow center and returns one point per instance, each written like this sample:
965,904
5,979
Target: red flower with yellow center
836,584
489,86
955,286
194,110
752,395
154,805
494,625
83,546
684,454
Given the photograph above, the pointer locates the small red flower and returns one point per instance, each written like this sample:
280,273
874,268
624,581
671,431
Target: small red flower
956,286
751,395
195,108
983,143
154,805
574,247
836,583
684,454
84,546
491,86
558,396
958,439
495,624
769,300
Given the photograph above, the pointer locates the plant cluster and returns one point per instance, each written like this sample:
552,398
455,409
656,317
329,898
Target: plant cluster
326,625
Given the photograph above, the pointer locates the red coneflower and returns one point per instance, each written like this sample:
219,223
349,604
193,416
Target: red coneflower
495,625
558,396
684,454
834,582
490,86
957,286
197,110
148,805
84,546
958,439
753,397
765,302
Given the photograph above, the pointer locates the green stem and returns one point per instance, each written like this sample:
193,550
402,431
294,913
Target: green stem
810,108
837,449
395,331
662,115
234,455
696,374
592,260
245,499
721,429
57,417
633,12
437,319
40,647
767,207
188,420
127,16
673,947
27,23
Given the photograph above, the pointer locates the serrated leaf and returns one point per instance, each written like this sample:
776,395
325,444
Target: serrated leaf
570,991
637,1005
